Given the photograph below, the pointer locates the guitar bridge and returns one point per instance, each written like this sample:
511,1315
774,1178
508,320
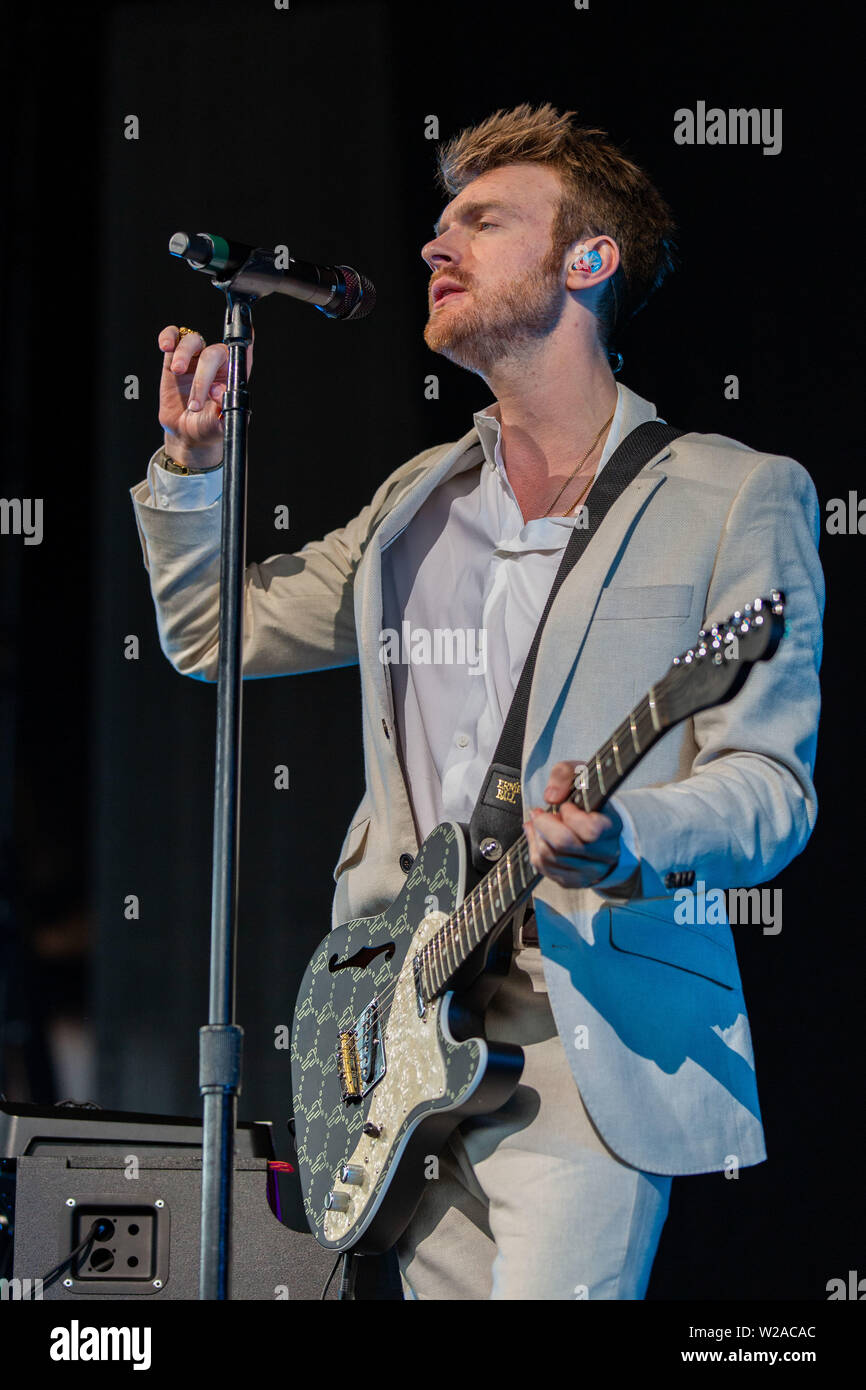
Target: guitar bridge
361,1055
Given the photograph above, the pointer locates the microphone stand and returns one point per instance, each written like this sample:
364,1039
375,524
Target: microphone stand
220,1042
330,289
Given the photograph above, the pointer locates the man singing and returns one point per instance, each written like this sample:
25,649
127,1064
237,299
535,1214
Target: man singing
639,1062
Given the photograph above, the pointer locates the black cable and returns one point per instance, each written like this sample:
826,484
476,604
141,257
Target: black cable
324,1294
55,1273
347,1278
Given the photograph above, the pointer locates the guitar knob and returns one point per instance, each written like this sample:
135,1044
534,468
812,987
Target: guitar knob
337,1201
352,1173
373,1130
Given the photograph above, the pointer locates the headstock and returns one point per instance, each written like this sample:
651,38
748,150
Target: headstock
714,669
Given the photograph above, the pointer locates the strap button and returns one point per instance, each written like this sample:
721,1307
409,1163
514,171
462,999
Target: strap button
406,862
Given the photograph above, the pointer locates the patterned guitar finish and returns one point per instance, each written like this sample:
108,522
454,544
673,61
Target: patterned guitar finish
429,1074
388,1048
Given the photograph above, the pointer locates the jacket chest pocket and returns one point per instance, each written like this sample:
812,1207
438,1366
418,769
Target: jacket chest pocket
353,847
645,601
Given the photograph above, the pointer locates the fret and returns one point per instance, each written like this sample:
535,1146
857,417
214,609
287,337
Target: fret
471,939
510,877
624,754
504,896
616,758
599,775
633,726
498,903
478,932
607,759
469,936
488,882
464,940
524,854
440,969
456,939
484,924
592,792
651,698
449,947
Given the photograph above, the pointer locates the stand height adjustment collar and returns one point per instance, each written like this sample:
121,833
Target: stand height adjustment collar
220,1049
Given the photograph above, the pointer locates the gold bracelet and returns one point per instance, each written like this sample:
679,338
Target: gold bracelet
172,466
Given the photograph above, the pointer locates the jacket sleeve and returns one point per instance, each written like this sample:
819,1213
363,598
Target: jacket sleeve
748,805
298,608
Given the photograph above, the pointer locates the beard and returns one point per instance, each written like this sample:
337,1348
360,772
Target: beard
501,323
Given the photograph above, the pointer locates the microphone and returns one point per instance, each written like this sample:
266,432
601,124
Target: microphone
337,290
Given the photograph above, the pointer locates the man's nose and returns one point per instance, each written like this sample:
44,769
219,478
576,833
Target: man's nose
436,253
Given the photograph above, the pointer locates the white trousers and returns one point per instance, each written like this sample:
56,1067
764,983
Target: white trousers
529,1203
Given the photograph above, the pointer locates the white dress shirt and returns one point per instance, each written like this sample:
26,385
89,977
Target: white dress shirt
466,561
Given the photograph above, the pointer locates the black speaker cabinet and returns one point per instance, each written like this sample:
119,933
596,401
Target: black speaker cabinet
139,1176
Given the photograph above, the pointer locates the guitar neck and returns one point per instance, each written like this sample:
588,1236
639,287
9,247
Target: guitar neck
492,901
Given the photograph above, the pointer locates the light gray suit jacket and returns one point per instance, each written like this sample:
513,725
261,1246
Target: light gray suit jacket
651,1013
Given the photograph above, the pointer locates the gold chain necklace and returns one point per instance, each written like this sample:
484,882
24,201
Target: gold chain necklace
577,470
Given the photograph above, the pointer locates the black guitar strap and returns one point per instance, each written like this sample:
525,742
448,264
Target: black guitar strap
498,813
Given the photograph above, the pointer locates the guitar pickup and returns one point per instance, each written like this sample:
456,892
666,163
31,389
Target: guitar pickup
361,1055
349,1066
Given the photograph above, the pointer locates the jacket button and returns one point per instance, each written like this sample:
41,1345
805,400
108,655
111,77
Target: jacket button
406,862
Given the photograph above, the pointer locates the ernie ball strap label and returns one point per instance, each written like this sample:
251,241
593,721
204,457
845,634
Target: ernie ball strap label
503,787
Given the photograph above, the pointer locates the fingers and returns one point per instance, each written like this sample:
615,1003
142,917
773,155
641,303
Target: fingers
570,830
182,355
210,363
179,350
561,781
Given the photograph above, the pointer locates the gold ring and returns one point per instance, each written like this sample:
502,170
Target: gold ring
182,331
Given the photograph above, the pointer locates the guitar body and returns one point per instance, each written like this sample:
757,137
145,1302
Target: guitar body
414,1070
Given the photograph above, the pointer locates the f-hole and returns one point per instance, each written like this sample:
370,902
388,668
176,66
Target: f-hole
361,959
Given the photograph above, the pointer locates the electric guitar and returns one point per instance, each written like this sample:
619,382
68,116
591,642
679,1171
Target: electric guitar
388,1049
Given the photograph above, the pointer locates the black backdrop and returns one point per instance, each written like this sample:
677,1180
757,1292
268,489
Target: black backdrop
307,125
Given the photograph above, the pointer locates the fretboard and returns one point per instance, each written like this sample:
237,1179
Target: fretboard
494,899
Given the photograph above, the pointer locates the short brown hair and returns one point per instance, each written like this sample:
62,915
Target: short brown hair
604,194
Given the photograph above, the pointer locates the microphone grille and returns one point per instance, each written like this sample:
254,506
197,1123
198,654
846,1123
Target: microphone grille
360,297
